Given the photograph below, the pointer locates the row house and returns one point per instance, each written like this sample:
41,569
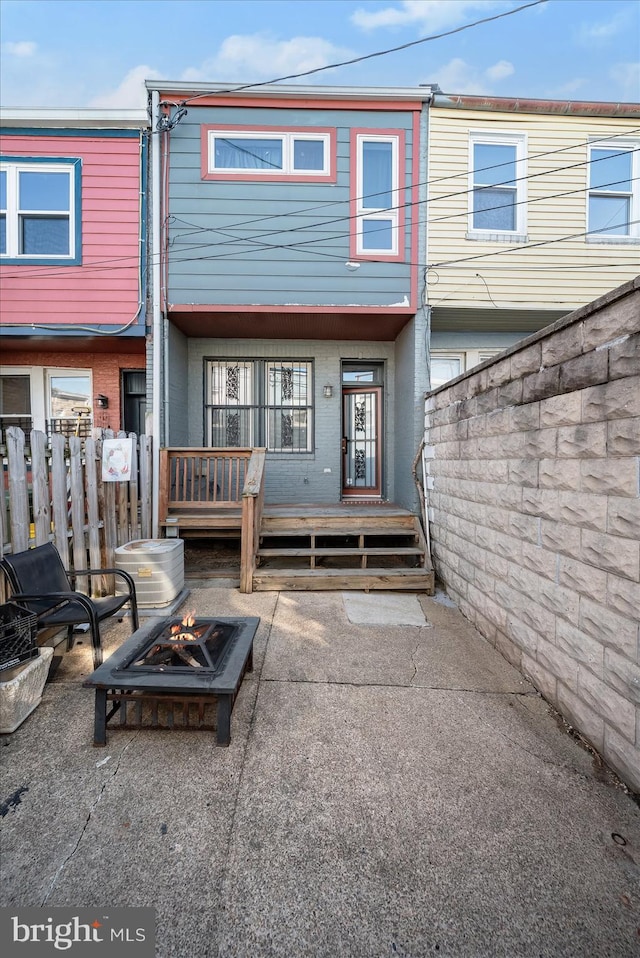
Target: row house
533,211
289,317
72,270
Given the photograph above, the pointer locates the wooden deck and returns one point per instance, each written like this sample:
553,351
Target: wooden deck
346,545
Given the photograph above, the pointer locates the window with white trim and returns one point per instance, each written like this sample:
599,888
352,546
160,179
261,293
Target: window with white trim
614,190
299,153
260,402
497,184
447,364
48,399
39,211
377,195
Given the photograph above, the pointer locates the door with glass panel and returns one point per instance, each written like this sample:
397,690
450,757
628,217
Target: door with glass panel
361,441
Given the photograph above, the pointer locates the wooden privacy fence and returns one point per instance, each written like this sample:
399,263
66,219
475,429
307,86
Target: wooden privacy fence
53,491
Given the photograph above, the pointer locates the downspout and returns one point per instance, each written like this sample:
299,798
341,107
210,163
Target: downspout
424,309
157,311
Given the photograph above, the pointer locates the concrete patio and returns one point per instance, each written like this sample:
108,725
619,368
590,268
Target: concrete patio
393,787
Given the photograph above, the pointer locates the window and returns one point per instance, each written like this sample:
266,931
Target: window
376,191
614,194
51,400
15,401
497,185
260,403
446,365
253,153
39,211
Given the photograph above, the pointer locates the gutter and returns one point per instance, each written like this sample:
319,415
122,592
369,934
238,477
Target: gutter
553,107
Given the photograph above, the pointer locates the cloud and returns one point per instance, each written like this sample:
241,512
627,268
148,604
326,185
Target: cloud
428,15
627,77
262,55
131,94
606,30
22,48
458,76
500,70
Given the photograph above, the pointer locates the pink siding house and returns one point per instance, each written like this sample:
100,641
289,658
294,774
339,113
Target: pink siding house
72,269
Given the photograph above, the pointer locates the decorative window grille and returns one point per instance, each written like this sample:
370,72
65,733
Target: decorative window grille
260,403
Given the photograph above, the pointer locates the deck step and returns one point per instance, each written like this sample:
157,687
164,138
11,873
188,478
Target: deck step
355,551
410,580
330,524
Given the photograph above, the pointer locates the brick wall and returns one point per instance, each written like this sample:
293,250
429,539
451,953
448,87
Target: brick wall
533,485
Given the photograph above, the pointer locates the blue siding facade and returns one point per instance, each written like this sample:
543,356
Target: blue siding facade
262,268
265,243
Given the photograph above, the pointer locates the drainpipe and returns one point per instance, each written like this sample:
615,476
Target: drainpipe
156,390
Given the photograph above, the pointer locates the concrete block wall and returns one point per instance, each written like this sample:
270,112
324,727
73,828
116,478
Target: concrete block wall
533,497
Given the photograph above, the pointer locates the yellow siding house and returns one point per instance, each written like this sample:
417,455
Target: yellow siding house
533,209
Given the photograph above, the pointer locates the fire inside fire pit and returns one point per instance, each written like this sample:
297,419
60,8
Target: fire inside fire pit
184,644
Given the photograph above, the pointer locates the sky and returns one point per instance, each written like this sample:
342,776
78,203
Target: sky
97,53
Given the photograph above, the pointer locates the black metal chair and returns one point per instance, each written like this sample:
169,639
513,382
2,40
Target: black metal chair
40,582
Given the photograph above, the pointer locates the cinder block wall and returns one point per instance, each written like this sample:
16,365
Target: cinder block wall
533,484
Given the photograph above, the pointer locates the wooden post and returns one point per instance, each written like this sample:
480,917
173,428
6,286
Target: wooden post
145,487
40,488
60,497
247,548
93,515
77,504
18,494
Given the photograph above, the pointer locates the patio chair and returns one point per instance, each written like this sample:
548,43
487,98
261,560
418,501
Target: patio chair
40,582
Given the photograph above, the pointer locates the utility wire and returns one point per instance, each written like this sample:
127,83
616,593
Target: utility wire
368,56
104,264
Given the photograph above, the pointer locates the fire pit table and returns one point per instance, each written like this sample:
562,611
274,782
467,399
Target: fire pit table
171,674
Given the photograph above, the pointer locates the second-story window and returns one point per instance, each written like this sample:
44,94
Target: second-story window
497,184
378,214
614,193
38,206
252,153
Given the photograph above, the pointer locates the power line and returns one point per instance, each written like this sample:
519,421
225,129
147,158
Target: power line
103,265
367,56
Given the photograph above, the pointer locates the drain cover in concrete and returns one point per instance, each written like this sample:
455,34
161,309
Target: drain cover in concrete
383,608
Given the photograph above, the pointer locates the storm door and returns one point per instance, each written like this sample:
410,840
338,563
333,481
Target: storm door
361,441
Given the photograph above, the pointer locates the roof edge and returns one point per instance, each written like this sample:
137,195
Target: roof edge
523,105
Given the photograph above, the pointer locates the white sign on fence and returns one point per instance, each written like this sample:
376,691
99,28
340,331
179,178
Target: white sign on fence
117,455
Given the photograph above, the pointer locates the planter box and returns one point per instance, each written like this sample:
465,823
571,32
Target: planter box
21,694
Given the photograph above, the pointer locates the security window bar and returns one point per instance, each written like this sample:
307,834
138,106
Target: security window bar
38,211
614,191
260,403
497,184
377,195
285,153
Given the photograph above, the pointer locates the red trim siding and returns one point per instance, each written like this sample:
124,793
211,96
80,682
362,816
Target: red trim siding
293,103
353,205
255,176
249,308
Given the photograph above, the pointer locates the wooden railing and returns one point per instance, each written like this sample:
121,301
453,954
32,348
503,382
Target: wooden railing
215,488
252,505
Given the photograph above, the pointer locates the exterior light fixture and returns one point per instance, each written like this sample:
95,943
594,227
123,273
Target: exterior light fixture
102,402
327,392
